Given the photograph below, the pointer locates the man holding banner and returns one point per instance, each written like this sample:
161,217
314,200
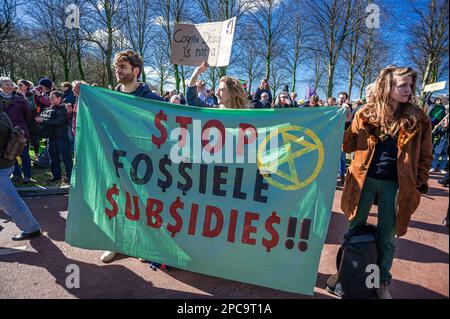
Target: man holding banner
128,68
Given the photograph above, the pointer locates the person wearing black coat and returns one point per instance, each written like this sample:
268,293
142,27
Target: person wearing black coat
263,88
54,123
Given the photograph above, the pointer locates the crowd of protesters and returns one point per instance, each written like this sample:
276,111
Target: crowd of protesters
48,113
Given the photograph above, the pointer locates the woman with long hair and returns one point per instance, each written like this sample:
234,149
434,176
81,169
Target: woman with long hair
230,94
391,140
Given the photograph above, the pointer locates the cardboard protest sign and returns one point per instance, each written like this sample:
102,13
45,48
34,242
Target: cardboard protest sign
239,194
194,43
434,86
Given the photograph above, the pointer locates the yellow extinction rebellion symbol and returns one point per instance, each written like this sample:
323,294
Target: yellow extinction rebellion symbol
297,141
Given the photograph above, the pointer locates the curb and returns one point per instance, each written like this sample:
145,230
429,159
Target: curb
34,191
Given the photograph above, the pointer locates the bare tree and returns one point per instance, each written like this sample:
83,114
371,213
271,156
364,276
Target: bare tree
50,16
138,25
430,37
296,39
160,62
331,19
278,76
103,22
374,55
268,17
172,11
7,18
220,10
250,63
352,53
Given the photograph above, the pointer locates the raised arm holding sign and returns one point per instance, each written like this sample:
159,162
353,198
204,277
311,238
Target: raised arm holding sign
194,43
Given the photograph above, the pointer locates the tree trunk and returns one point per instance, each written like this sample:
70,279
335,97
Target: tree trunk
294,77
66,69
79,57
183,79
52,69
350,84
109,48
426,75
268,63
177,77
331,69
222,71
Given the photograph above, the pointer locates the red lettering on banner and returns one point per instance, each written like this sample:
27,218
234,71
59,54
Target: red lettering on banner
232,226
176,216
207,231
158,141
249,229
153,210
184,121
205,133
109,197
128,213
213,221
243,139
193,219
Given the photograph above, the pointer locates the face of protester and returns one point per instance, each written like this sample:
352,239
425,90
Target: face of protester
175,100
125,73
222,94
264,85
293,97
341,99
284,99
313,103
438,101
331,102
8,87
265,97
401,89
23,88
55,100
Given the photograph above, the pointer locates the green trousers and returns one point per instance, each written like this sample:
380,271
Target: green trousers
386,193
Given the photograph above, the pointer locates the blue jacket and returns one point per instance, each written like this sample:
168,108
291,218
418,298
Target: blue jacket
142,91
68,97
193,99
260,91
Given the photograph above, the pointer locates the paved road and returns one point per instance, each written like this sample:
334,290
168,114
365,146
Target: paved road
37,269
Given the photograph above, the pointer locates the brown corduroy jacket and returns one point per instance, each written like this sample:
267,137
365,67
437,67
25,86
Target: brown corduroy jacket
413,164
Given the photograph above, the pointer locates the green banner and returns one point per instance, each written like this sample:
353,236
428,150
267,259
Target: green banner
239,194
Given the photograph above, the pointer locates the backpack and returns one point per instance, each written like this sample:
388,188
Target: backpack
15,143
358,250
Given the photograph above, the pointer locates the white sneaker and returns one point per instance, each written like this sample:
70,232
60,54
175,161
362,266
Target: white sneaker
443,171
432,170
383,292
108,256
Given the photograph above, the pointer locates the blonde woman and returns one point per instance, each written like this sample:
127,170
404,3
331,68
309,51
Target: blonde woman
391,140
230,94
